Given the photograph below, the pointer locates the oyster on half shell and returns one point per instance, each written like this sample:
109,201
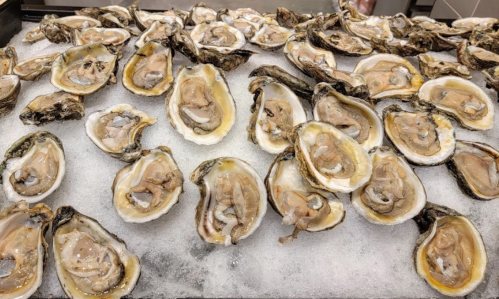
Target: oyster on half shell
218,36
271,37
8,60
34,35
57,106
339,42
434,68
10,86
34,68
476,58
113,38
58,30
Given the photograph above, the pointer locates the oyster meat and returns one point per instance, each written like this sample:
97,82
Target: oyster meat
113,38
90,261
57,106
34,35
10,86
472,22
58,30
117,130
33,69
33,167
233,200
201,13
339,42
218,36
394,194
434,68
485,38
157,31
372,27
144,19
476,58
8,60
441,28
149,187
271,37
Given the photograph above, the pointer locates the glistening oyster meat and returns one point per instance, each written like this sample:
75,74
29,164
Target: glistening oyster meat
117,130
90,261
472,22
233,200
10,86
57,106
434,68
372,27
394,194
34,68
33,167
157,31
271,37
218,36
149,187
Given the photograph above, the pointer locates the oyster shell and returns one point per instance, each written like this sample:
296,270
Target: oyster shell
450,254
492,77
434,68
113,38
157,31
400,25
201,13
233,200
218,36
461,99
8,60
289,19
200,105
470,23
33,69
300,204
271,37
10,86
475,166
84,69
339,42
149,187
144,19
91,262
33,167
476,58
394,194
113,16
432,41
424,138
34,35
397,47
441,28
57,106
23,251
329,159
275,111
354,117
298,86
149,72
372,27
389,76
485,38
58,30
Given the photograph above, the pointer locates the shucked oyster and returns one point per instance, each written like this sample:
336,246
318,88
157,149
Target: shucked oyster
85,69
394,194
434,68
276,110
372,27
339,42
23,249
113,38
299,203
113,16
476,58
149,72
58,30
157,31
492,77
475,166
470,23
200,105
461,99
354,117
149,187
117,130
218,36
450,254
33,69
400,47
34,35
33,167
144,19
329,159
233,200
10,86
271,37
8,60
289,19
90,261
201,13
424,138
441,28
57,106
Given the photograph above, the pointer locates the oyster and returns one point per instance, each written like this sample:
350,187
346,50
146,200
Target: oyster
247,27
329,159
33,167
113,38
34,35
476,58
218,36
397,47
475,166
424,138
470,23
299,203
149,187
149,71
91,262
58,30
57,106
289,19
450,254
492,77
84,69
298,86
372,27
110,16
200,105
400,25
8,60
23,249
33,69
118,129
486,38
389,76
441,28
354,117
157,31
271,37
233,200
434,68
432,41
10,86
144,19
394,194
461,99
275,111
339,42
201,13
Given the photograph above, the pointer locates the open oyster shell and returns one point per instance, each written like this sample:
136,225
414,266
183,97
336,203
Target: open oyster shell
289,19
475,166
299,203
90,261
113,16
472,22
450,254
271,37
157,31
84,69
441,28
8,60
57,106
372,27
434,68
275,111
485,38
117,130
200,105
149,187
149,72
461,99
233,200
298,86
476,58
354,117
492,77
32,69
58,30
329,159
397,47
10,86
33,167
339,42
424,138
34,35
113,38
394,194
144,19
23,250
218,36
432,41
201,13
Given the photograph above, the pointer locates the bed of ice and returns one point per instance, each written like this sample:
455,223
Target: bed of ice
356,259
